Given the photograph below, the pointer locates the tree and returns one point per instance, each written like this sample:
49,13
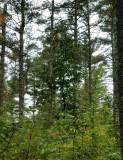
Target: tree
19,47
68,113
89,57
115,69
107,23
51,73
21,54
119,14
2,62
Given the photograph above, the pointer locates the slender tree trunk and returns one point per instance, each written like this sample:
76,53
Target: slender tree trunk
63,97
115,67
119,14
89,61
21,54
75,26
34,101
75,49
2,62
51,65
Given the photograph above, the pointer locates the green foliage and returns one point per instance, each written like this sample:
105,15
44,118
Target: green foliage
69,137
72,136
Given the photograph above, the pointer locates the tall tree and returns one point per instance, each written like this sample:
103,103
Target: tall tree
89,57
21,54
115,67
21,50
119,14
51,64
107,23
2,61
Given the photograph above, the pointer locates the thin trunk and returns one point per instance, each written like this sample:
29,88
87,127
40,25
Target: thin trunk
63,97
119,14
74,142
75,45
115,76
89,61
75,26
21,54
2,62
51,65
34,101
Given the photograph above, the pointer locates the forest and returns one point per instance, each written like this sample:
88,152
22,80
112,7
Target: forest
61,80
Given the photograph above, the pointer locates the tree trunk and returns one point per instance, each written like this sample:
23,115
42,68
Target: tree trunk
119,14
21,54
51,65
75,26
75,49
2,62
89,61
115,66
63,97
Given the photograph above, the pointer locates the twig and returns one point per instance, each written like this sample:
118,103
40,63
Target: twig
8,142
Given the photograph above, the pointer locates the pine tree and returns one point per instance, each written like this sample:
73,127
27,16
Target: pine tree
2,62
51,74
119,14
19,47
21,54
107,23
89,57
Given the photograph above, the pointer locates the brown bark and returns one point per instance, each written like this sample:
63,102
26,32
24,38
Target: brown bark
119,14
2,63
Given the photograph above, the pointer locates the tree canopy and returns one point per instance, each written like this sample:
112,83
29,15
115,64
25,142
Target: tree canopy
61,80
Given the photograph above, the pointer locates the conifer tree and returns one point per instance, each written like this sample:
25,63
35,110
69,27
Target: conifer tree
21,56
51,74
2,61
19,46
107,23
119,14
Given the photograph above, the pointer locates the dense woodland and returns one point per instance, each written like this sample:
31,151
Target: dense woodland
61,80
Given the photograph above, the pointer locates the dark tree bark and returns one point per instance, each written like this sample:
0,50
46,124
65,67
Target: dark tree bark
63,97
75,45
51,65
75,25
21,55
89,60
2,62
115,65
119,14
